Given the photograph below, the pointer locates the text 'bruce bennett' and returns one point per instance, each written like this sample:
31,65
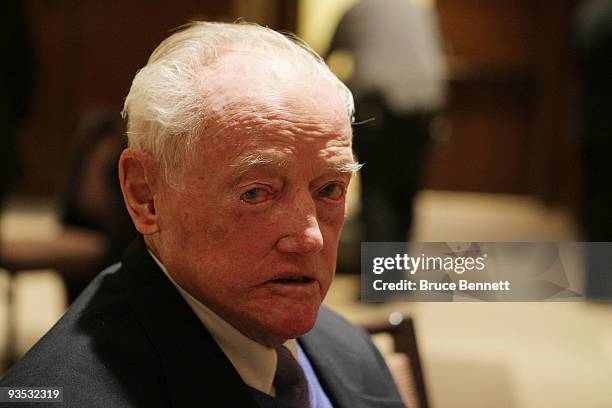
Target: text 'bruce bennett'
425,285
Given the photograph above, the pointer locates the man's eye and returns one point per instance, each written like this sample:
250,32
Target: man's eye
255,195
332,191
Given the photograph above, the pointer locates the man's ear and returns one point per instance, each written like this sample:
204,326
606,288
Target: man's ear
138,176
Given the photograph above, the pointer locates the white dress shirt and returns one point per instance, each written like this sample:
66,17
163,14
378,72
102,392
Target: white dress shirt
397,47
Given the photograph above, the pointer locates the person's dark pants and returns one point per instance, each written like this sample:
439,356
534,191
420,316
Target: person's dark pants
393,149
597,216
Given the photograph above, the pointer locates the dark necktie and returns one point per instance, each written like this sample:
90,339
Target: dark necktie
290,381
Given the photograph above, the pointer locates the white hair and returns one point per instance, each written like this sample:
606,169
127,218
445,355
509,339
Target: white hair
166,108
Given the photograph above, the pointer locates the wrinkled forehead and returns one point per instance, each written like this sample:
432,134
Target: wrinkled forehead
250,90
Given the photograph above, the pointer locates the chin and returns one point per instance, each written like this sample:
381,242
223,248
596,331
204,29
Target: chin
281,327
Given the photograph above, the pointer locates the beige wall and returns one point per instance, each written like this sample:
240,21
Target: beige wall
317,20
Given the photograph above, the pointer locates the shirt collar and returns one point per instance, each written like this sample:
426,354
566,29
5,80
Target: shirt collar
255,363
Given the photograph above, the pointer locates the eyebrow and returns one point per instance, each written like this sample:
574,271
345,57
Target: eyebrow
348,167
253,161
256,160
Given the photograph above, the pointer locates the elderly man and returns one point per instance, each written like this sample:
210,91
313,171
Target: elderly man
236,174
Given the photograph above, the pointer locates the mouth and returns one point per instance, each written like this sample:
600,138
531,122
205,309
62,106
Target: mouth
299,288
293,280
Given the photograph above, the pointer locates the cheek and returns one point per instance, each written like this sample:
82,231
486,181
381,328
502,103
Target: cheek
331,217
216,231
331,222
254,226
206,222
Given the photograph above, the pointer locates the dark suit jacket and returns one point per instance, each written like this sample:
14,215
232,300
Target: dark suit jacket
130,340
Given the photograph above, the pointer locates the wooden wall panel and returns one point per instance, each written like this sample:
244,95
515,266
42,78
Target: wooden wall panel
509,97
488,147
42,142
88,52
489,30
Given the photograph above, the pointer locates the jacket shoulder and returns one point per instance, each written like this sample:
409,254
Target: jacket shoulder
349,363
97,352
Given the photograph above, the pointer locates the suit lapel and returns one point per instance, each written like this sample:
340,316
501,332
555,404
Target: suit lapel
337,356
328,372
196,370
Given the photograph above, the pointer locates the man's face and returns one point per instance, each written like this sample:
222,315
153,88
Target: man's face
253,232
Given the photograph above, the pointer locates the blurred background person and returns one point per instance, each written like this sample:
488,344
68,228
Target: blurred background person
93,225
399,85
91,199
593,41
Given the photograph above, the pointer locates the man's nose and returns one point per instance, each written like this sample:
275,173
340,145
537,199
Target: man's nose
304,235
